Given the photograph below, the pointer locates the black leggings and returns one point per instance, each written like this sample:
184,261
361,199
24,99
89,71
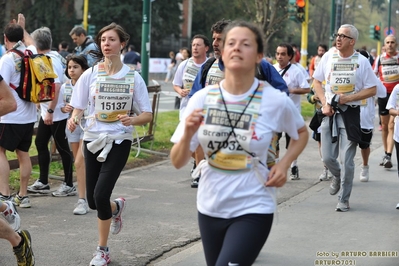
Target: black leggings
101,177
44,133
238,240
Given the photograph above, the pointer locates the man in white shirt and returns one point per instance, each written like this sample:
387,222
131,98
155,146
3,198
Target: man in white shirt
16,126
297,83
184,79
349,79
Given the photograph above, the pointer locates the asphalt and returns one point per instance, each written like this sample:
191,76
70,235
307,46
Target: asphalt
308,231
160,222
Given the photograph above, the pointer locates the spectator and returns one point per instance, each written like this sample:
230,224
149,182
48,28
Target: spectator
85,44
132,58
171,67
63,49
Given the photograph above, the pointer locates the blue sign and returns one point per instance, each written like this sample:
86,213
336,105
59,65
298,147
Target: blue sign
388,32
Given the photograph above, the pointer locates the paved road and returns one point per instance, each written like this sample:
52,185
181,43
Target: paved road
160,223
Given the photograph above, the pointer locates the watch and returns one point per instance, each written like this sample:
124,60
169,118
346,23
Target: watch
50,111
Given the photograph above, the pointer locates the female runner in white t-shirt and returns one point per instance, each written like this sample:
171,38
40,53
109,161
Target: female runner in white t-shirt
234,123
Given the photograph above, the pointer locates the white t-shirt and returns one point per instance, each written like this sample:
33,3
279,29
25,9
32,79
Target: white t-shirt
58,69
10,70
393,103
234,194
294,78
365,77
178,81
83,97
367,112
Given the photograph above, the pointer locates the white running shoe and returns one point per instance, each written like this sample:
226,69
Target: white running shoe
81,207
116,222
11,215
364,173
65,190
100,258
39,187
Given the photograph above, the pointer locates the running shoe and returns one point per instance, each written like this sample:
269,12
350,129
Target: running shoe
64,190
23,202
39,187
100,258
11,215
116,222
24,253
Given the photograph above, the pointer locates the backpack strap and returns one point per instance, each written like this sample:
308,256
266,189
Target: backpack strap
205,70
20,54
285,70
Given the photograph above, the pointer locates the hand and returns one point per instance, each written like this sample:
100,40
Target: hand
71,124
327,110
193,122
125,120
48,119
277,176
21,20
68,108
183,93
343,99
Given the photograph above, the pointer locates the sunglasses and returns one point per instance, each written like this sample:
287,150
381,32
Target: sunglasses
341,36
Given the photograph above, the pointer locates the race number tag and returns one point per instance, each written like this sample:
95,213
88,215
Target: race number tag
343,77
112,100
113,96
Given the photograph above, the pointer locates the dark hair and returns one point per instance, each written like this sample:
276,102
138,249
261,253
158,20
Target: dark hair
78,30
64,45
219,26
123,37
203,37
252,27
14,32
131,47
188,51
364,53
79,59
290,50
323,46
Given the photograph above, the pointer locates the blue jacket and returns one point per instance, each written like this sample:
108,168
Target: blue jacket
268,70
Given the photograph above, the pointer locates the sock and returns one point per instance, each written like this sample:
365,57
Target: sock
389,154
117,209
20,243
103,248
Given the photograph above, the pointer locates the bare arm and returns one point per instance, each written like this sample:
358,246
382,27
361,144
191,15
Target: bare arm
28,40
180,153
7,101
139,120
182,92
326,108
363,94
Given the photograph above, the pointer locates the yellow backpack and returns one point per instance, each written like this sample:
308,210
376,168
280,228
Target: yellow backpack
37,77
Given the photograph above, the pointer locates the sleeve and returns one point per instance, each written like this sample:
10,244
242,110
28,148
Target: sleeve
292,118
6,66
303,81
391,104
81,91
273,77
140,95
197,83
178,79
367,71
196,102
